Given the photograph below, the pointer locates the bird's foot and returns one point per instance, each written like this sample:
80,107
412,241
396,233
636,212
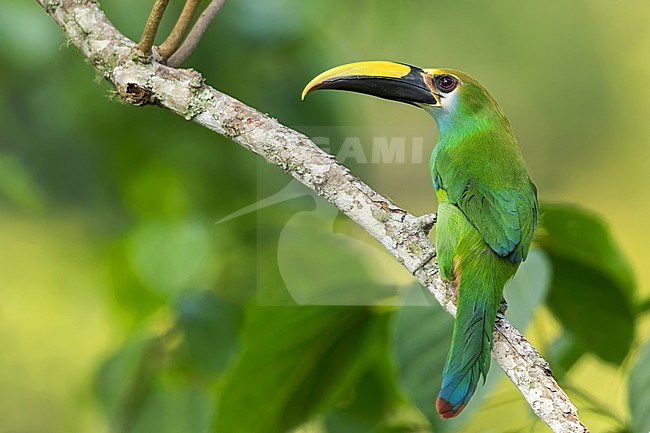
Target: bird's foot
503,306
423,223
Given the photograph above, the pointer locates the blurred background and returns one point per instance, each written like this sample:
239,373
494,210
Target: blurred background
124,307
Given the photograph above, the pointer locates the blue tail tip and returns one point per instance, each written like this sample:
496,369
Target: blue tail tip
446,410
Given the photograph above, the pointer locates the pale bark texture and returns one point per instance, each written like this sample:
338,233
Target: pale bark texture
183,91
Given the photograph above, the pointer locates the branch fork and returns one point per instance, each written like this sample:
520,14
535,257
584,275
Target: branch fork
177,48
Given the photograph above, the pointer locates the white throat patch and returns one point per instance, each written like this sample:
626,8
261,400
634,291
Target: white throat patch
448,100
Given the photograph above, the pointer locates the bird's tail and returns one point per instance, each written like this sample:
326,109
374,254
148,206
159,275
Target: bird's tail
479,294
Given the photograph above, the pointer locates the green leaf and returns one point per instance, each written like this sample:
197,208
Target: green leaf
115,373
309,277
643,307
171,257
528,289
577,234
369,402
176,405
375,406
297,361
134,298
210,327
422,336
592,291
563,353
124,381
171,371
639,392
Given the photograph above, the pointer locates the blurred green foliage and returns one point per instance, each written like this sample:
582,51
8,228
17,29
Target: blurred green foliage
124,307
592,282
638,391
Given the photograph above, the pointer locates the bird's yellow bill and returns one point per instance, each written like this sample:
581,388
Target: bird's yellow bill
388,80
359,69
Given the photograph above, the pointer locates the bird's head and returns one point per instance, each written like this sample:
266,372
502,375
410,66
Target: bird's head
449,95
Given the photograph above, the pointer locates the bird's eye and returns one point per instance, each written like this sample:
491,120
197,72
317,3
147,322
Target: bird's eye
446,83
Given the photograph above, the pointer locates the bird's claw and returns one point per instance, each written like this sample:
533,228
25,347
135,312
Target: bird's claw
503,306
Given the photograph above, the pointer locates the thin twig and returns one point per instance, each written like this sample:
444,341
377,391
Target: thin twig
173,41
151,28
183,92
195,35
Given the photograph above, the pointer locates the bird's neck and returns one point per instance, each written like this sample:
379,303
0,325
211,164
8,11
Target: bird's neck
457,126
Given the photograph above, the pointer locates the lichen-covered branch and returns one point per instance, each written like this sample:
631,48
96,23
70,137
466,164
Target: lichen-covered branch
403,235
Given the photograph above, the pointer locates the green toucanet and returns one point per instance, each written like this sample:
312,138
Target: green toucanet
487,211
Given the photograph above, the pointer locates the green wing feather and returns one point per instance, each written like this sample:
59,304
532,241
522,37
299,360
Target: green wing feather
502,205
503,217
